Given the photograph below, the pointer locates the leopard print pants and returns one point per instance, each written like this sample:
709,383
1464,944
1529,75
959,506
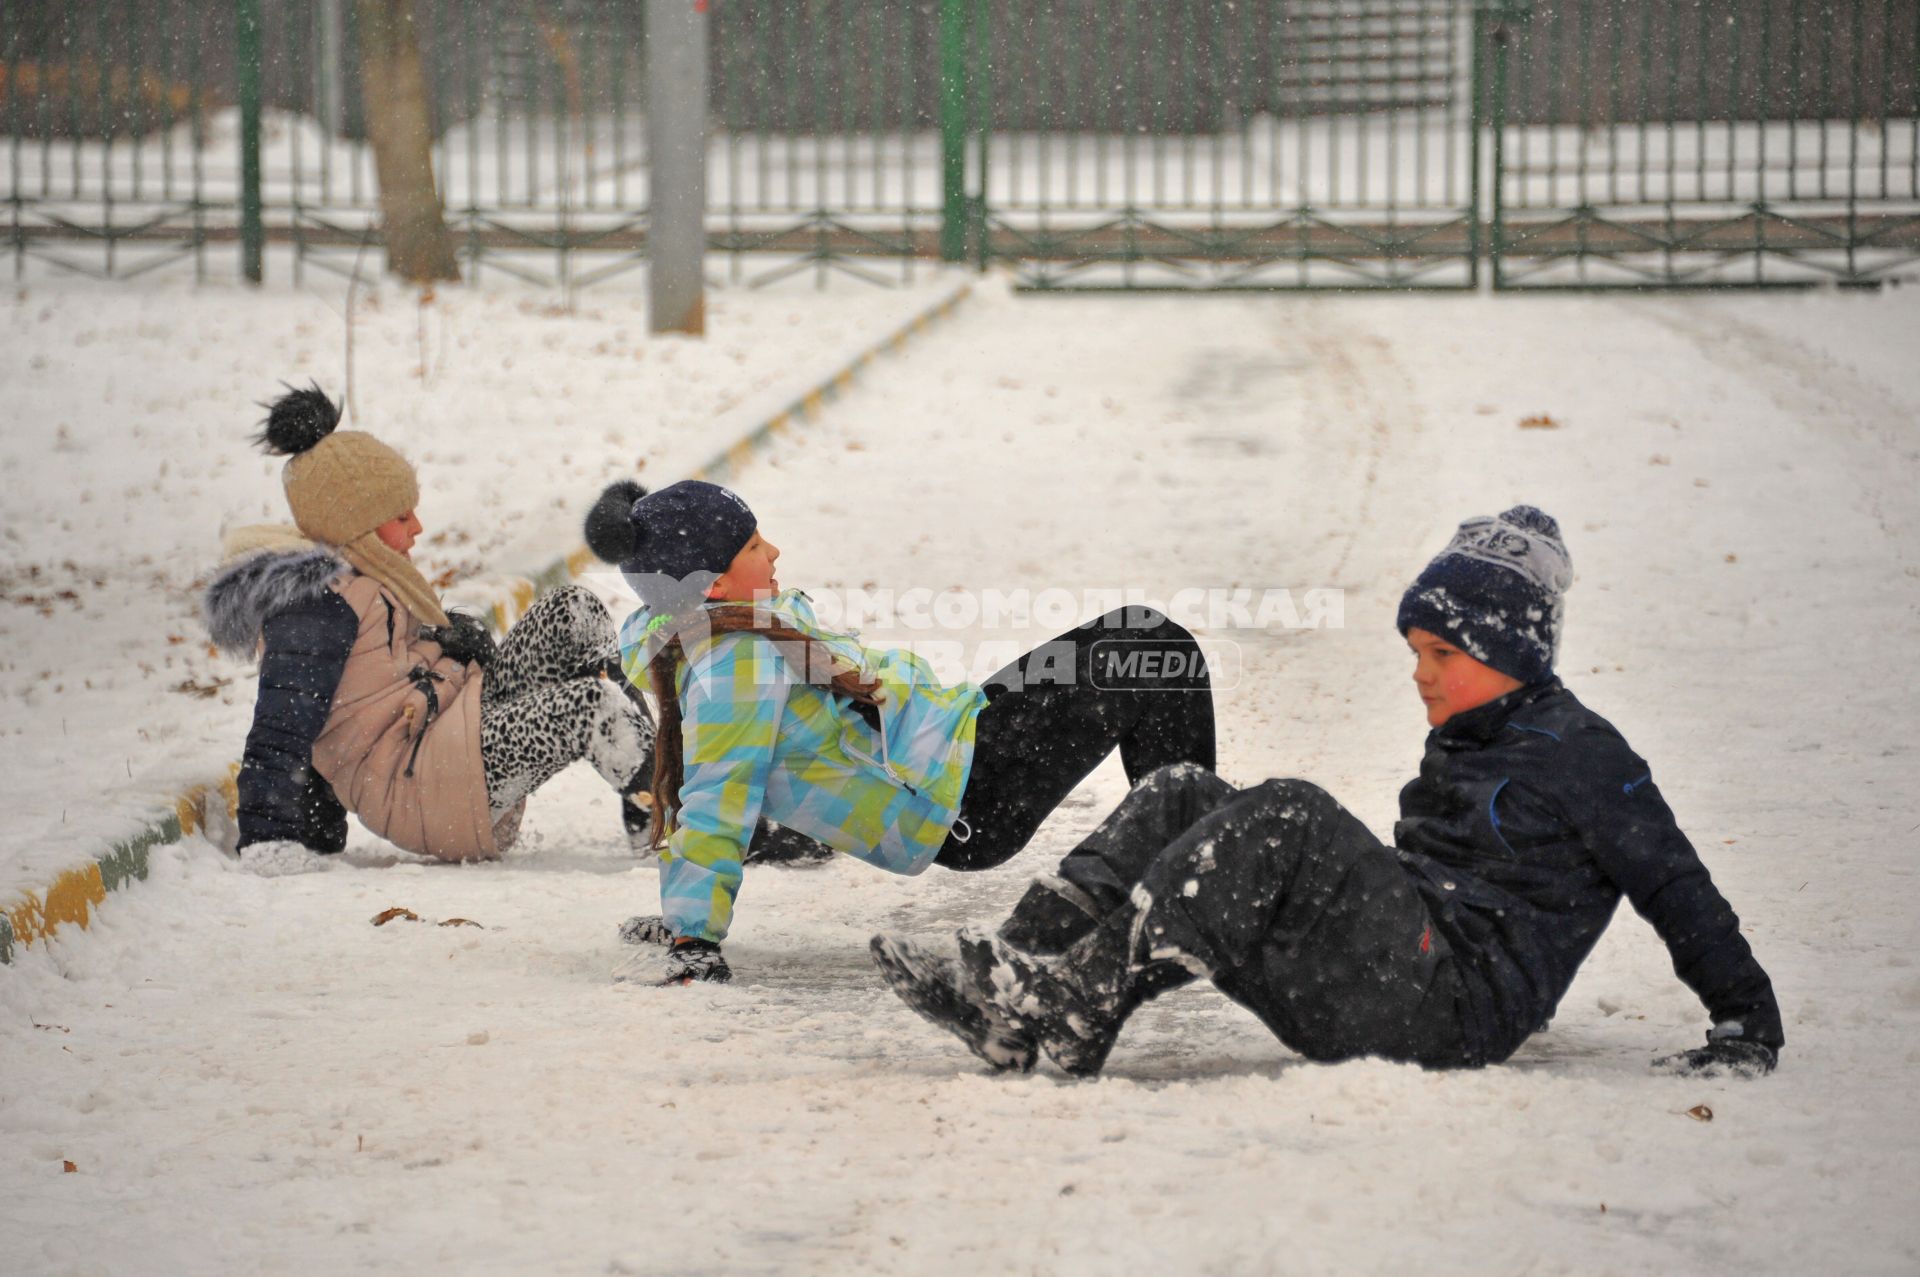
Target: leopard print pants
545,704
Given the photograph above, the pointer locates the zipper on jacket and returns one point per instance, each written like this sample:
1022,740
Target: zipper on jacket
885,761
423,680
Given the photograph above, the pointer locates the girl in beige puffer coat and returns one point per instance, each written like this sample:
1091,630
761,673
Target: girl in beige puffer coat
373,699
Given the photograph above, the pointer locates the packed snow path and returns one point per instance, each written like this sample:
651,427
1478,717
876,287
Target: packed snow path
248,1076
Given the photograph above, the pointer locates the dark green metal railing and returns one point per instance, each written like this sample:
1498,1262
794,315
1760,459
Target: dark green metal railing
1284,143
1672,144
1082,143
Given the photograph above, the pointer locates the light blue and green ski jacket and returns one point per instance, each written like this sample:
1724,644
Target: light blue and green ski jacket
762,740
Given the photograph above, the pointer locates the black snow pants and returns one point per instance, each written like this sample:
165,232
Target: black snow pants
1132,680
1288,904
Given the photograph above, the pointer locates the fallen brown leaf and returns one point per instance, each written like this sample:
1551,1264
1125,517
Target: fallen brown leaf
1700,1113
461,922
1539,421
191,686
68,1168
385,916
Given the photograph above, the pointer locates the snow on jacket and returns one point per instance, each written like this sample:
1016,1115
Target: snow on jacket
761,740
1529,820
353,704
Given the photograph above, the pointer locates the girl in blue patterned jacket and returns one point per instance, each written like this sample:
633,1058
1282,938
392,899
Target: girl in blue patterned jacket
766,712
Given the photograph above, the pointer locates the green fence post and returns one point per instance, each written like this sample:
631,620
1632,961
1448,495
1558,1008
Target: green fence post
1503,16
1477,114
252,232
954,15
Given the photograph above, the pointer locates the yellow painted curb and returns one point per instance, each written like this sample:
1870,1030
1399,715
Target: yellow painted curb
69,899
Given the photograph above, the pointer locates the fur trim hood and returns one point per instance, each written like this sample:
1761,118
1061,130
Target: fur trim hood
266,569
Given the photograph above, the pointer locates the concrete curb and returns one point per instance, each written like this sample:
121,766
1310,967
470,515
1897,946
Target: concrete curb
72,896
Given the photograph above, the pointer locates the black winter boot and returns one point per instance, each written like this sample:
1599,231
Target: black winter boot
1072,1005
929,981
1051,916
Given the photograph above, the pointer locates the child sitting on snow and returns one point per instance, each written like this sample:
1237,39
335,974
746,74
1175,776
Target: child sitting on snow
766,712
1530,818
372,698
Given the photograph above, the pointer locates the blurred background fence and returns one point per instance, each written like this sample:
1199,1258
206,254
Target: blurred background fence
1085,143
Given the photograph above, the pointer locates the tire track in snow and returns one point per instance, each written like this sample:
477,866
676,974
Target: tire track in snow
1817,389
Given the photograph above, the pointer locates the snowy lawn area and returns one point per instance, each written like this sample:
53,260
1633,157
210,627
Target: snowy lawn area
130,408
247,1076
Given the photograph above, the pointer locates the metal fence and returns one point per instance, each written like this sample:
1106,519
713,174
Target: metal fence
1655,143
1292,143
1084,143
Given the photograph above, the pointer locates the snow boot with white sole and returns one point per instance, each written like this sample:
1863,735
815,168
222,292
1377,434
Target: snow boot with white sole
1071,1006
930,982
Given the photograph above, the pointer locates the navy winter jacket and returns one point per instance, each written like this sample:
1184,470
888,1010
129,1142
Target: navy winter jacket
282,605
1530,818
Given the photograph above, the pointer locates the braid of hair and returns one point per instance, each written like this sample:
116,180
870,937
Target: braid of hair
810,657
669,762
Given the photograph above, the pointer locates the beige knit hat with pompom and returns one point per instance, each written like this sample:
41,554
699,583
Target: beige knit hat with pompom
342,485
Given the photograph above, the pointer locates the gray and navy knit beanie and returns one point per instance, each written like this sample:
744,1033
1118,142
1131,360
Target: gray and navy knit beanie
673,543
1496,591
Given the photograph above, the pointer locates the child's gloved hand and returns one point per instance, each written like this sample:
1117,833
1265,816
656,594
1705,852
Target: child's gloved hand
1723,1055
465,638
696,960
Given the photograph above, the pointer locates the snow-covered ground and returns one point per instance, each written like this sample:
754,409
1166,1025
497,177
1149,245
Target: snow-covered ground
247,1076
130,408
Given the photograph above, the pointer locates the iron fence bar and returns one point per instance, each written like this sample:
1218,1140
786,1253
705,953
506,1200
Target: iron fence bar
953,129
1793,105
733,79
296,160
1613,101
1734,85
14,195
198,108
876,130
1498,36
982,99
498,124
1479,112
247,55
73,99
164,24
470,86
1704,108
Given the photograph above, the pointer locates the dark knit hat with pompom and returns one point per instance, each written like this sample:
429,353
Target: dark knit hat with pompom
674,542
1496,592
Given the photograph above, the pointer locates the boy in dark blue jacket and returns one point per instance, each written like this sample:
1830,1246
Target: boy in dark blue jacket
1530,818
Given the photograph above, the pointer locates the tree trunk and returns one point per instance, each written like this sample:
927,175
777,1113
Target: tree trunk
419,248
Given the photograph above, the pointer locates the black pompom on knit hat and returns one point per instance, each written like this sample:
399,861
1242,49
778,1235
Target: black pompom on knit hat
675,542
609,525
1497,592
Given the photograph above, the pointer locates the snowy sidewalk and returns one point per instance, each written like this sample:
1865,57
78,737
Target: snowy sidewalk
128,451
247,1076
